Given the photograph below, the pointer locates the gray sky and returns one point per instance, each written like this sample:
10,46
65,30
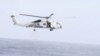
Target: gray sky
80,20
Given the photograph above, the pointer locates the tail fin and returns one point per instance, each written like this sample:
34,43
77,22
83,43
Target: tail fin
13,19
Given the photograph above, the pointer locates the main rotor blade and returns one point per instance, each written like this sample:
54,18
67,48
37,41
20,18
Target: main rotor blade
32,15
51,15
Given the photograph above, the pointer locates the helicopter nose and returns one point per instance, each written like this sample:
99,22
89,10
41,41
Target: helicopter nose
59,25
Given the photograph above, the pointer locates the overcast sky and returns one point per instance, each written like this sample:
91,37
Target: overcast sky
80,20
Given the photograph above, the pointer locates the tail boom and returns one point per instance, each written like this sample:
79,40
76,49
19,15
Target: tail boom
16,23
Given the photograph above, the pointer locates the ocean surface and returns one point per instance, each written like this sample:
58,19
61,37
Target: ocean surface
12,47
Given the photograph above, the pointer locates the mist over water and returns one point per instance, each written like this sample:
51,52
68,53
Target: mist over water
12,47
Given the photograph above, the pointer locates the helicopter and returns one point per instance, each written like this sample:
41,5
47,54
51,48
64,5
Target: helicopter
40,23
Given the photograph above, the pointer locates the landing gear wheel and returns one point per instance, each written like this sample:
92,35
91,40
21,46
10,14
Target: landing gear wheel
51,29
34,29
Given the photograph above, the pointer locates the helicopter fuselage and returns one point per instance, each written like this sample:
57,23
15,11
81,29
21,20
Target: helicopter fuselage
39,23
44,24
